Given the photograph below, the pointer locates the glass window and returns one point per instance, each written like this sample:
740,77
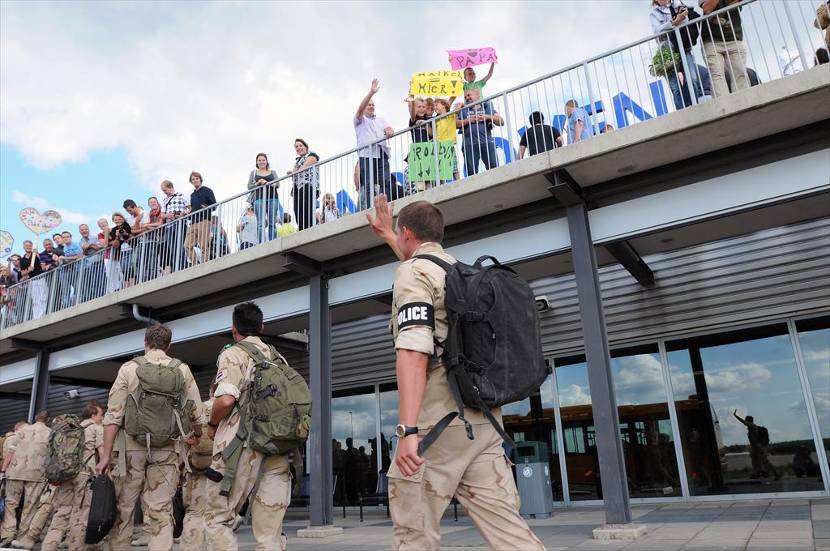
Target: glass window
814,338
742,416
353,427
645,426
388,422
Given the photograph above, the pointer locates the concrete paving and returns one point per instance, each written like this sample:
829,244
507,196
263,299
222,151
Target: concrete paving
758,525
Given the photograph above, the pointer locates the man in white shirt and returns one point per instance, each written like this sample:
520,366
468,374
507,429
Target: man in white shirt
374,158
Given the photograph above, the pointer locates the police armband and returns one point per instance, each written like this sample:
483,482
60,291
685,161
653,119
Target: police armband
420,314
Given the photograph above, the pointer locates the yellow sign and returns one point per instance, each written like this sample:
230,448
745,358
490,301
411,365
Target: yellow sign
437,83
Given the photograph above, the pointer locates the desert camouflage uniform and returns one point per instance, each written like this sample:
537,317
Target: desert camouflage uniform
25,476
476,471
194,495
153,475
235,370
73,497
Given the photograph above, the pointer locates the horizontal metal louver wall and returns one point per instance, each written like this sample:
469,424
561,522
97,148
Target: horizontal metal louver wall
58,404
765,275
12,411
362,352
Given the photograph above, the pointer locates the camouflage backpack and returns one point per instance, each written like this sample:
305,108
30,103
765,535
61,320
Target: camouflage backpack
155,411
66,449
274,408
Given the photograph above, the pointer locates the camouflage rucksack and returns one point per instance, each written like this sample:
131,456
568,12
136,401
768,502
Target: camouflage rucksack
201,455
274,409
66,449
155,411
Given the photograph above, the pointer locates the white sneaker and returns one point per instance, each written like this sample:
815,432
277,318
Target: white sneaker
238,522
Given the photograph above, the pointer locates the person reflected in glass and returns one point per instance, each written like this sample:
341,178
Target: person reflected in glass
264,197
758,437
306,184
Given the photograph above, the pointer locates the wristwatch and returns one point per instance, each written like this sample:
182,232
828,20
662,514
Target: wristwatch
402,431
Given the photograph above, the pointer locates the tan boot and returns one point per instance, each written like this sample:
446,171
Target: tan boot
24,543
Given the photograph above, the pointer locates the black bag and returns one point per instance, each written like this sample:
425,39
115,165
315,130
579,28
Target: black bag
493,353
688,34
763,436
178,513
102,510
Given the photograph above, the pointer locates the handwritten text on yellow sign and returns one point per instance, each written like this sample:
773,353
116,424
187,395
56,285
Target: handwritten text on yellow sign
437,83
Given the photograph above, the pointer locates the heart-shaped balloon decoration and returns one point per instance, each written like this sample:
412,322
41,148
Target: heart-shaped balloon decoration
40,223
6,242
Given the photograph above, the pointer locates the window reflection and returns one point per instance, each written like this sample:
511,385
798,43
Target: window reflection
388,422
814,338
645,426
354,424
741,413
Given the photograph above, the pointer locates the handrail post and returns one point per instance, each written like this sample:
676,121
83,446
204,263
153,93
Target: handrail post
593,113
508,154
789,15
435,150
686,70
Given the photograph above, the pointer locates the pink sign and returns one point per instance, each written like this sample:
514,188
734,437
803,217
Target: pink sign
461,59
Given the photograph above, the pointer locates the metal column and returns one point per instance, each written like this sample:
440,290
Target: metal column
603,400
320,460
40,385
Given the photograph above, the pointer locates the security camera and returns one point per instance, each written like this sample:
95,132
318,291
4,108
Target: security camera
71,394
542,303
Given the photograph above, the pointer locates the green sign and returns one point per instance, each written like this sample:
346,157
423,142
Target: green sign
422,161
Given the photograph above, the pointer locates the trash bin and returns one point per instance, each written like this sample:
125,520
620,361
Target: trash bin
533,479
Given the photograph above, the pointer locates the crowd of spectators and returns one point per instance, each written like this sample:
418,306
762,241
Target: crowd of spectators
173,230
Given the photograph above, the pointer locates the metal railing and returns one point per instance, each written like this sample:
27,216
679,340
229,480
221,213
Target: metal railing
613,90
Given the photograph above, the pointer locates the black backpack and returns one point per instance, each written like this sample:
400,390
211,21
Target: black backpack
763,436
493,353
102,509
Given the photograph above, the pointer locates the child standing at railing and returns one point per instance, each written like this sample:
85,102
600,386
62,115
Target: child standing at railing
247,229
445,130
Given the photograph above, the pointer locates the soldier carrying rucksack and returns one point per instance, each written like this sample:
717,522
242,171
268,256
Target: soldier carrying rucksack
467,341
152,412
260,414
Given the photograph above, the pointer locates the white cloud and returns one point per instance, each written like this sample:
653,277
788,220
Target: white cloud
574,395
639,380
206,86
42,204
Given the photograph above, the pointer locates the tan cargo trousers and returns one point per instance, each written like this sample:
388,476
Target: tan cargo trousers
71,504
153,477
194,495
478,474
268,506
17,491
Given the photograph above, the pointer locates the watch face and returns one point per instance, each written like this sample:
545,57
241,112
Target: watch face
400,431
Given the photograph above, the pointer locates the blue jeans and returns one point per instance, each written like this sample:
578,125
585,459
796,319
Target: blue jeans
268,216
475,152
681,93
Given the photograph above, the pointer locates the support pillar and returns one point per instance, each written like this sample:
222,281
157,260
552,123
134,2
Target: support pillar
597,354
40,385
320,450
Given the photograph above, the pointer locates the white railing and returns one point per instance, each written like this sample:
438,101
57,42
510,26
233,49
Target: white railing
615,89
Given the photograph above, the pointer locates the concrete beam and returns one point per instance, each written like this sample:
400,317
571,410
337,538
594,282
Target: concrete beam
25,344
564,189
631,261
302,265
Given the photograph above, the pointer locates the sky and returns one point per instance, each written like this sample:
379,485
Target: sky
101,101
